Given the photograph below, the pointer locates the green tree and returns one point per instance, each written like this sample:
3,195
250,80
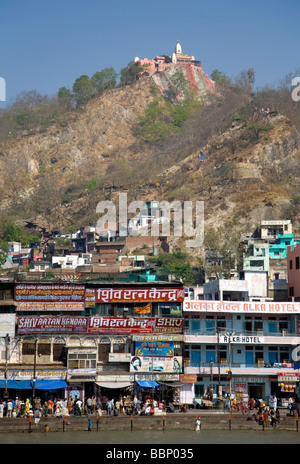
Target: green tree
65,98
83,90
177,263
257,127
219,77
163,117
131,73
104,80
10,232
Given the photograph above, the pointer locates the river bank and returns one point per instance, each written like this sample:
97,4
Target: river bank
210,420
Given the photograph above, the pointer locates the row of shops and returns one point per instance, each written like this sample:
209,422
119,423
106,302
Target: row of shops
67,341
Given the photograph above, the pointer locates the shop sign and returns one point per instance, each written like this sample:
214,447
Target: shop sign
169,325
49,297
41,374
240,387
188,378
253,340
156,364
43,307
90,297
157,377
81,372
49,293
157,338
98,324
131,325
50,324
154,349
143,295
241,307
288,376
119,357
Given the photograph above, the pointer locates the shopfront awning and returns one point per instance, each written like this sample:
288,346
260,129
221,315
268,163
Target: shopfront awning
113,384
50,384
172,384
16,384
147,383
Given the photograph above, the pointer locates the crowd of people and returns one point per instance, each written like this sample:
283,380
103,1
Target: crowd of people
267,415
58,407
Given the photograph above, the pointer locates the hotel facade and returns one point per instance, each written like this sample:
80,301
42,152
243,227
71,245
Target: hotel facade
243,347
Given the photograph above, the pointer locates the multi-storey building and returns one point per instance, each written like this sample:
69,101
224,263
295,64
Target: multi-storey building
243,346
293,266
85,338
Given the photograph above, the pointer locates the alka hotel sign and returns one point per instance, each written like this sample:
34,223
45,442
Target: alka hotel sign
241,307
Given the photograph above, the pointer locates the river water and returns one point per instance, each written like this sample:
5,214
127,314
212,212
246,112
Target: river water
154,438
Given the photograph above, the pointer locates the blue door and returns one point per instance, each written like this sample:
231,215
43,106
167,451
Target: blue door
272,326
272,357
210,356
195,326
210,326
249,358
195,358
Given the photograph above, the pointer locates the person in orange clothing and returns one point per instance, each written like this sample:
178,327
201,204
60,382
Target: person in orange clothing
234,405
50,406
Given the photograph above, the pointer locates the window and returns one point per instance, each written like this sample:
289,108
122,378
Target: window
44,349
258,324
210,353
291,291
103,352
283,323
291,264
28,348
82,361
59,352
221,322
297,262
119,348
199,391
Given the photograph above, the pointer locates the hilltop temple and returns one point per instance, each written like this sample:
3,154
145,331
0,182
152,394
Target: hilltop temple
161,63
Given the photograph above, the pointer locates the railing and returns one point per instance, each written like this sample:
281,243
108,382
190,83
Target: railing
257,333
239,365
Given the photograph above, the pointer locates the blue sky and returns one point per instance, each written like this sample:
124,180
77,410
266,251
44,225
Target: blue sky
47,44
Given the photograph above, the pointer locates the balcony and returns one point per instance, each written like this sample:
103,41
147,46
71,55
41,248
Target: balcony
275,331
205,367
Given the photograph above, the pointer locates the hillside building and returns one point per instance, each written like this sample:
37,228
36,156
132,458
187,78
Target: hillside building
161,63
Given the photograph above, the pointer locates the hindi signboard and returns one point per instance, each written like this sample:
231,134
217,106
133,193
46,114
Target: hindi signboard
135,325
141,295
248,307
50,297
52,324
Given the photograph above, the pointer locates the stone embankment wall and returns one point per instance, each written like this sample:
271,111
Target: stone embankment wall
168,422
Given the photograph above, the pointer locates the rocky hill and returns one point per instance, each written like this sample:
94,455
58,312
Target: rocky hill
249,171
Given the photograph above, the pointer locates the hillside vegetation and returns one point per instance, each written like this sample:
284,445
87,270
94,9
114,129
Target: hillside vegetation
130,138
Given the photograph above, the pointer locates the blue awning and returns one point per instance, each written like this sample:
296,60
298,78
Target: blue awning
16,384
147,384
49,384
